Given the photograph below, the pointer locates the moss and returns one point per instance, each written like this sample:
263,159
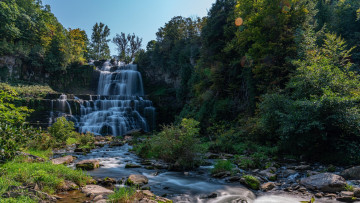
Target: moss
252,182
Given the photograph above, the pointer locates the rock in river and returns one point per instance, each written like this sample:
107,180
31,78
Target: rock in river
352,173
138,180
88,164
325,182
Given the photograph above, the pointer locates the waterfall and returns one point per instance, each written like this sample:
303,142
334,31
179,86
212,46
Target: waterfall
119,106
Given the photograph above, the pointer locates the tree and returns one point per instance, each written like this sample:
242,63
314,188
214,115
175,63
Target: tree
128,46
99,44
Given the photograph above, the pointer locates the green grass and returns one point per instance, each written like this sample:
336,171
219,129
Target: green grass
30,90
222,166
40,153
24,199
123,194
49,177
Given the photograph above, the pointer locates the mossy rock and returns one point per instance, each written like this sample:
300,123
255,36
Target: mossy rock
88,164
251,181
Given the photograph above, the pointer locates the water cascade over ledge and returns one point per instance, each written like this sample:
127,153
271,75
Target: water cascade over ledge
118,108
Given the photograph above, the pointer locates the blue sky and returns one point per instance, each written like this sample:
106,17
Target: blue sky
142,17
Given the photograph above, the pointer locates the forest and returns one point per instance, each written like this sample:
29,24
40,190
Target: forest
258,84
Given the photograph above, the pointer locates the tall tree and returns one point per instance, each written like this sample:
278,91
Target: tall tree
99,41
128,46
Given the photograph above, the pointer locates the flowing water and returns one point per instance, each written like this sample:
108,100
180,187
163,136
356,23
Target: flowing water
118,108
178,186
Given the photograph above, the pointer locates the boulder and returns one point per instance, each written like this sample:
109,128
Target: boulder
303,167
95,190
268,174
346,196
137,180
107,182
88,164
357,192
267,186
131,165
324,182
63,160
351,173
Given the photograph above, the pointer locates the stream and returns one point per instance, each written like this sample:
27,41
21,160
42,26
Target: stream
193,186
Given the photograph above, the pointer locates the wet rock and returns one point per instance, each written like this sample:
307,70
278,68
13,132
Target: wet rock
319,195
268,174
160,165
357,192
131,165
210,155
351,173
68,185
234,179
82,150
100,144
95,190
287,173
221,174
267,186
88,164
63,160
301,189
346,196
138,180
210,196
311,173
325,182
107,182
303,167
116,143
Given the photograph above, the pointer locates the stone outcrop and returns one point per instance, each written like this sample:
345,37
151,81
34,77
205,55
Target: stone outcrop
352,173
324,182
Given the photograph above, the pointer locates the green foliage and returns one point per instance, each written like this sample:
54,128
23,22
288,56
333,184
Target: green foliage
128,46
123,194
178,145
349,188
62,129
18,199
99,42
320,109
252,182
222,166
312,200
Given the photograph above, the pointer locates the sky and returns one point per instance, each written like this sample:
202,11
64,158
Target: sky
142,17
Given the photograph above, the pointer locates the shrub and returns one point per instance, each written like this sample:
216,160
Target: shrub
175,144
62,129
222,166
123,194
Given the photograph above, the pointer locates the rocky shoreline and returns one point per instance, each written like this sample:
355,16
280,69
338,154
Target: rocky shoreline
302,180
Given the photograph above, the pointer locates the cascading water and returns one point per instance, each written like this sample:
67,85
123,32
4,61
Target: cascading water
119,106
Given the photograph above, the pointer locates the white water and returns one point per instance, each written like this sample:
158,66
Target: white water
119,106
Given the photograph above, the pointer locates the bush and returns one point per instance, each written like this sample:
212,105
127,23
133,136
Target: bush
222,166
175,144
62,129
123,194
